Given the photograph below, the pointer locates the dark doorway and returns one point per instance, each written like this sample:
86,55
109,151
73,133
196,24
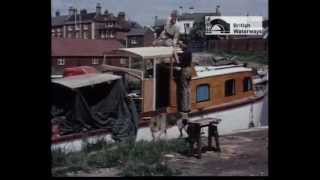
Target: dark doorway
162,85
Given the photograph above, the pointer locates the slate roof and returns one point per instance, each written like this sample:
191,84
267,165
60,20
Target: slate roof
83,47
137,31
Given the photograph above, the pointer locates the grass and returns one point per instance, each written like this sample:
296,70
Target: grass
133,159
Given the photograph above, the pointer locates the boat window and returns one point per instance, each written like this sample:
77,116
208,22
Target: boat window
148,68
203,93
230,87
136,63
247,84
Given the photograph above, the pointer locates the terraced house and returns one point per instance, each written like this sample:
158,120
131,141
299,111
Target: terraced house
93,25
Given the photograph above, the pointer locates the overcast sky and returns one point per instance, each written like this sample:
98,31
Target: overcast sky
144,11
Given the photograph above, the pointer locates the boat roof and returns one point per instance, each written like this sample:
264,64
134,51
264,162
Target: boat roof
152,52
78,81
207,71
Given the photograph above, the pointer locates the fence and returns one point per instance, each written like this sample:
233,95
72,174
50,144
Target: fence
247,45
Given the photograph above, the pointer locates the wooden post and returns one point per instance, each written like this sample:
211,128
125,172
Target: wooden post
154,84
216,138
210,136
199,146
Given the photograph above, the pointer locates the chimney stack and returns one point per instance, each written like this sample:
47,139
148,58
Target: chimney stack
98,9
122,15
71,11
218,10
155,20
57,13
83,12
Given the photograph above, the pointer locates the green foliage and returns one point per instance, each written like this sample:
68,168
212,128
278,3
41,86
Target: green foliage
141,158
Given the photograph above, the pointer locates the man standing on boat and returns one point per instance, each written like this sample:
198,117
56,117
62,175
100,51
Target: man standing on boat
170,35
184,89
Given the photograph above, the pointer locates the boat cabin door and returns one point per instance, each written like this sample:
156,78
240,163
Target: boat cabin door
162,85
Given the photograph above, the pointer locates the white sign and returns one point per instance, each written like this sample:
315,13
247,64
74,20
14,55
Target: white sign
185,26
233,25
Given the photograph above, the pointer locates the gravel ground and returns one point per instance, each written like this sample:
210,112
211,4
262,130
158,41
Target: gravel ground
243,154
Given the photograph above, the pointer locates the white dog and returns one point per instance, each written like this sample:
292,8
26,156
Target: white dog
158,126
182,126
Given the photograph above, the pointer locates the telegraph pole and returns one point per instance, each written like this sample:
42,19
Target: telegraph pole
75,21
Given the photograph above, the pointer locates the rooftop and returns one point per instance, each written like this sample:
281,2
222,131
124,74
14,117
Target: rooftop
59,20
137,32
88,17
150,52
83,47
78,81
207,71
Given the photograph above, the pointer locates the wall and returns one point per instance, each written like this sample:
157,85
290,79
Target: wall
139,39
148,38
83,61
247,45
65,31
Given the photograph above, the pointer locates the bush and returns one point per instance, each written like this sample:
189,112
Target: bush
58,158
98,145
134,159
136,168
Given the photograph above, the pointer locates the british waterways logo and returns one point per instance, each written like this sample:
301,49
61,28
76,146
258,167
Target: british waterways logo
233,25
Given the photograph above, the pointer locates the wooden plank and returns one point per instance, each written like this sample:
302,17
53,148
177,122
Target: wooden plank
205,121
217,93
148,95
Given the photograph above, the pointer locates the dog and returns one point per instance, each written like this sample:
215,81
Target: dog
158,126
182,125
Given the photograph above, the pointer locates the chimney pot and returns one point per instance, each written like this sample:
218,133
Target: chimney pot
83,11
218,10
71,10
98,9
121,15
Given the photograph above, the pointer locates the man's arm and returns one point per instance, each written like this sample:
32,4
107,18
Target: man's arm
176,37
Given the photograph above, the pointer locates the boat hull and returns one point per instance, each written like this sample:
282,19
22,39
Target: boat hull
234,119
245,116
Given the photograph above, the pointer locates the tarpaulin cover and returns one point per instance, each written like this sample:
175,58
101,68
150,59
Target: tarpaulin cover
102,106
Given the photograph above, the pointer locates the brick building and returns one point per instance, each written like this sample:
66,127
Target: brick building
140,37
93,25
84,52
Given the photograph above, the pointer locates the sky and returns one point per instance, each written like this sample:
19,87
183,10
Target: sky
144,11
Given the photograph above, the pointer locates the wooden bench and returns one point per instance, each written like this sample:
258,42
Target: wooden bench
194,131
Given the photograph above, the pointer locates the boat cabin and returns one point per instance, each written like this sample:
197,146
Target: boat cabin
156,86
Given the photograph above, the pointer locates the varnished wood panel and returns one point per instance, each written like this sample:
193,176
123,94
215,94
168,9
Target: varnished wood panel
148,95
217,90
173,93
